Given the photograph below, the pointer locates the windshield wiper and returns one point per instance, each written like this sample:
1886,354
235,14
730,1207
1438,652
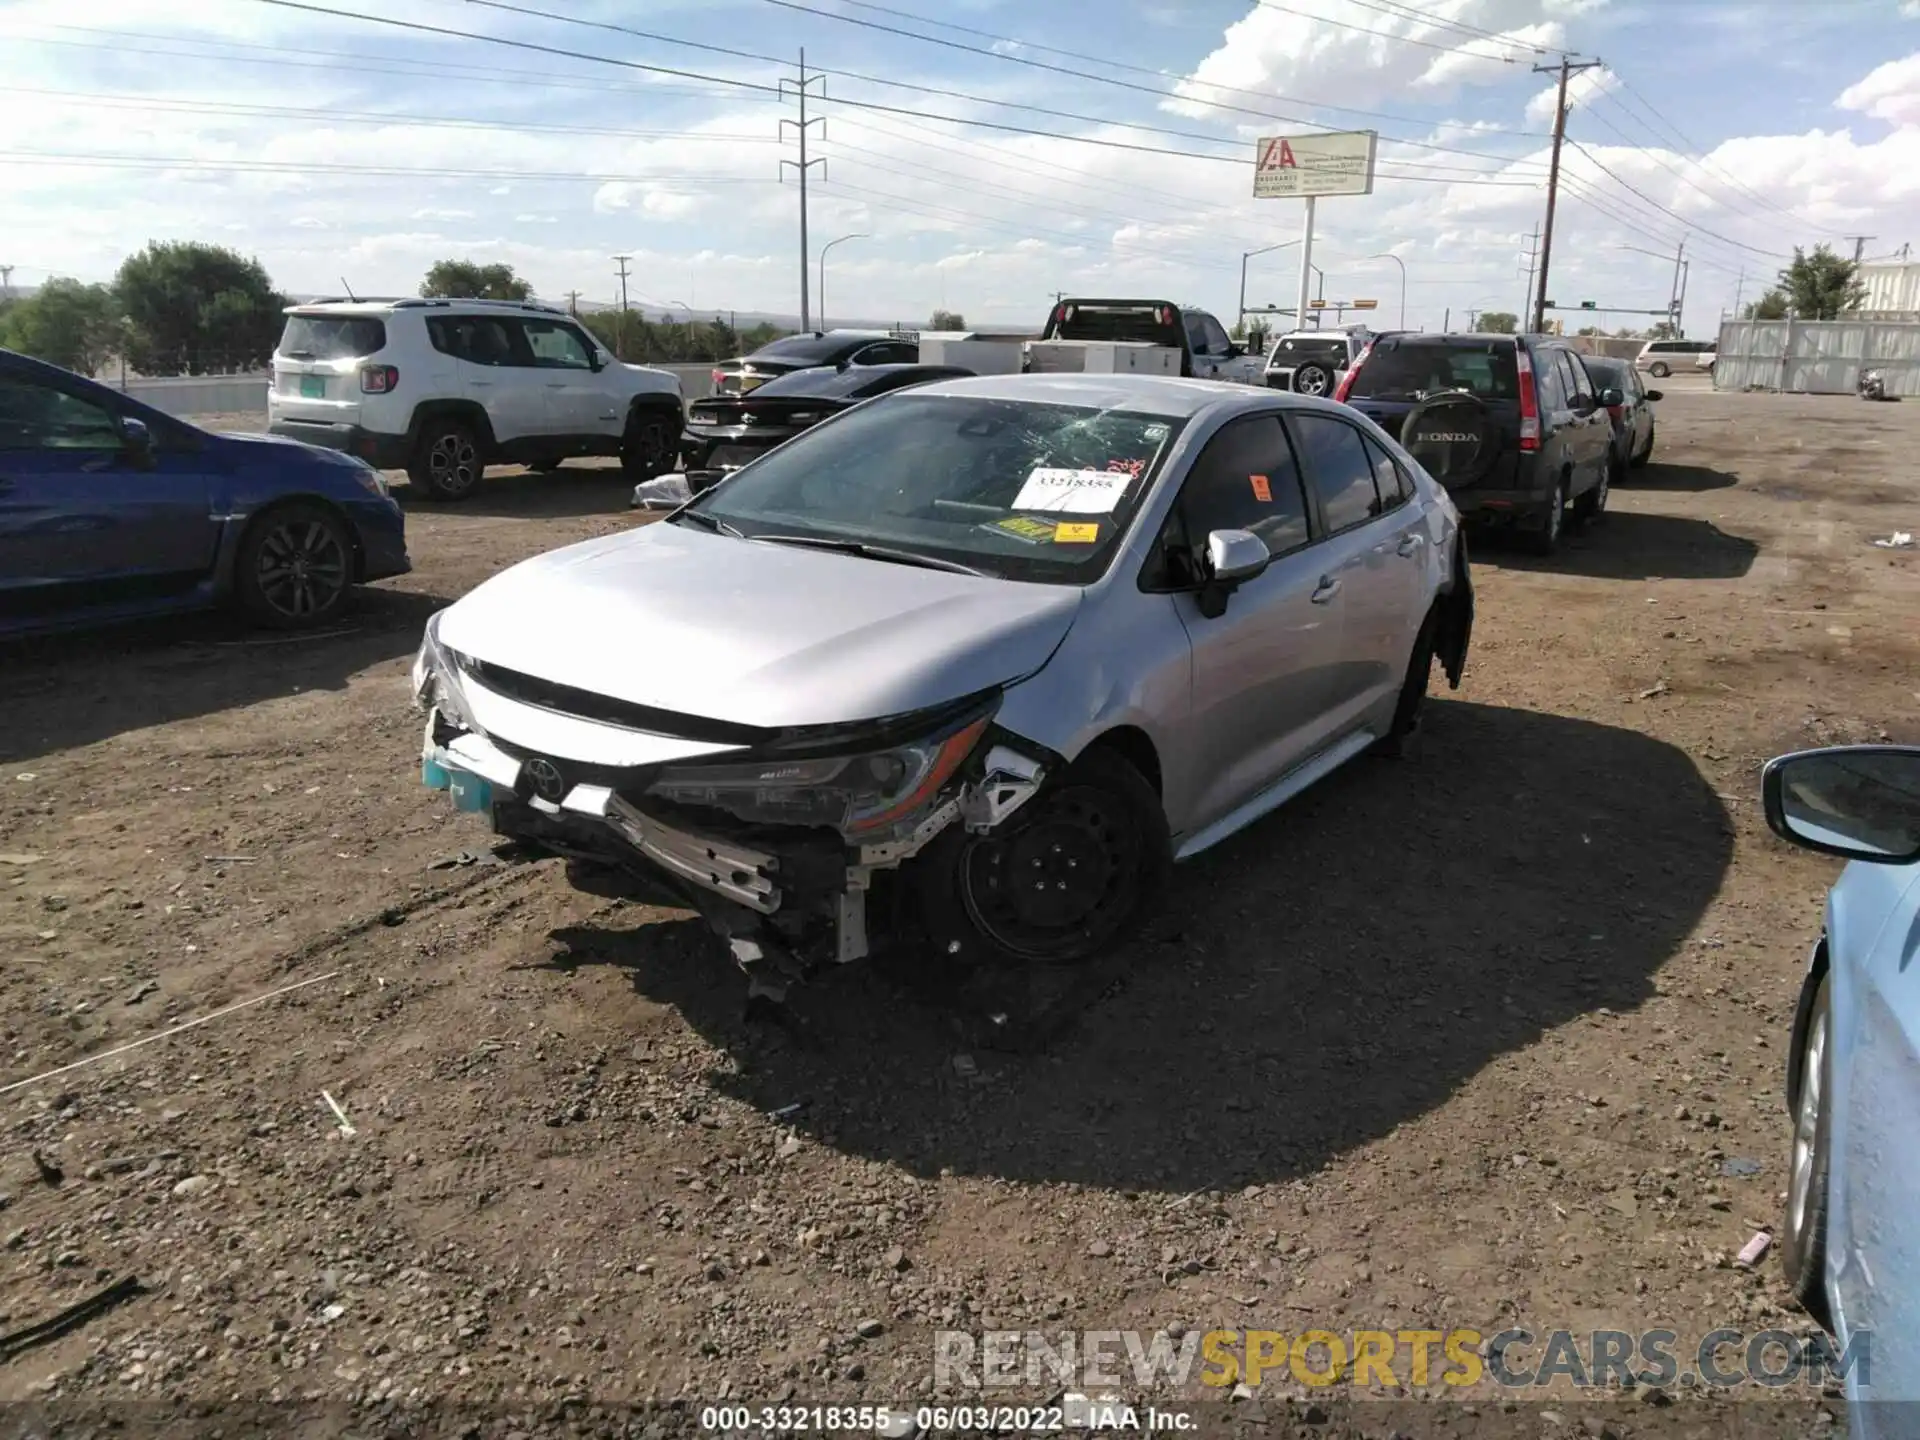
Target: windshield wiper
873,552
712,522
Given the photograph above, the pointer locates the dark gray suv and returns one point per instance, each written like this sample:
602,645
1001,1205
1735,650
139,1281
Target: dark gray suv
1512,425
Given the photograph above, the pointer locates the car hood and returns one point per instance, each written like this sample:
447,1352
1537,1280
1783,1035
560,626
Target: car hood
706,625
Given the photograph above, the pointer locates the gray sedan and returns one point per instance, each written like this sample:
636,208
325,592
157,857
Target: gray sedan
1003,649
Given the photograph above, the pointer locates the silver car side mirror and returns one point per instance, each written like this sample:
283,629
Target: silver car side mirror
1235,556
1861,802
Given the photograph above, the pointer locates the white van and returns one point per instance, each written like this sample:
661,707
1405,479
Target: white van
1658,357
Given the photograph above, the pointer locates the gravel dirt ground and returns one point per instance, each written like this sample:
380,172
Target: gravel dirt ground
1462,1040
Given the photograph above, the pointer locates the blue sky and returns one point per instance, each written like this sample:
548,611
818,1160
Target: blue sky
335,148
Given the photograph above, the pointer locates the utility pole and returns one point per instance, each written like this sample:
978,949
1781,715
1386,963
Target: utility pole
622,345
1739,287
1673,290
6,281
573,303
802,166
1567,69
1680,304
1859,244
1533,258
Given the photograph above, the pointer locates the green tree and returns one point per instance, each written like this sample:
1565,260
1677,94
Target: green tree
469,280
1592,330
1499,322
194,308
947,320
1821,285
65,322
1771,306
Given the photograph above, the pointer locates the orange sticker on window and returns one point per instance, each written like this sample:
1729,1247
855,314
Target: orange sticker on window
1066,534
1262,491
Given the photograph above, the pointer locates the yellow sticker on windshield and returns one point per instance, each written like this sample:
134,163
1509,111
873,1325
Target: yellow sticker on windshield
1025,528
1065,534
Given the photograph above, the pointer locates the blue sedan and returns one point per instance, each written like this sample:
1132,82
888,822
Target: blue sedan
1851,1246
110,509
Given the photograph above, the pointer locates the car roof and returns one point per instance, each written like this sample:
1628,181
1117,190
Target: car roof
1165,395
377,308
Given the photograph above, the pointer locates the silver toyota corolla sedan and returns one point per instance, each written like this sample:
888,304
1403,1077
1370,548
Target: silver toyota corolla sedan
998,650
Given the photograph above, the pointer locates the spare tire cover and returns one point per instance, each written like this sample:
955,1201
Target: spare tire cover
1452,436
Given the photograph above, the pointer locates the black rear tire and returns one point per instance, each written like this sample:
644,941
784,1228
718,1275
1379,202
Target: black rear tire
649,446
1803,1243
447,463
1546,540
1067,878
295,566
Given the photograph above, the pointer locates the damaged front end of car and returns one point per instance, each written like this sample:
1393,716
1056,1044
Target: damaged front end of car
777,837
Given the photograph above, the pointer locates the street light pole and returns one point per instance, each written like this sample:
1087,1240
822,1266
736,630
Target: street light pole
1384,255
822,294
1246,256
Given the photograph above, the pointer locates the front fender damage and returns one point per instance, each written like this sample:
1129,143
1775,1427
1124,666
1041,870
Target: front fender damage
788,902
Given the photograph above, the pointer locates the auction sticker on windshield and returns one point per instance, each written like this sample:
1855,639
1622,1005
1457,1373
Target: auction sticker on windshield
1034,532
1076,492
1081,534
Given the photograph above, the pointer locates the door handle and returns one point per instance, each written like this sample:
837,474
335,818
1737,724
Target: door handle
556,384
1329,587
1409,544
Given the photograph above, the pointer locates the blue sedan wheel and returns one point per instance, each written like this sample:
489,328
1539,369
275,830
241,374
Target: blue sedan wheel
295,566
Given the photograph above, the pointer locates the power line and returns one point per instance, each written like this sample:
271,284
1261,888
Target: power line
296,112
303,167
1377,34
1691,147
1408,12
804,9
1138,69
755,86
364,64
1738,244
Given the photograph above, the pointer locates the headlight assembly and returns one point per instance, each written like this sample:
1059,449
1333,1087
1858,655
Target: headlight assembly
436,681
863,796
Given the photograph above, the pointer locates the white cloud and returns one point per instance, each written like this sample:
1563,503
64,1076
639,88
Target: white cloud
1323,49
1910,9
1890,93
536,219
432,214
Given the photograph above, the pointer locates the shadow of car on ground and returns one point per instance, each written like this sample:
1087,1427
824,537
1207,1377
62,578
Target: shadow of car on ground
69,690
1632,545
580,487
1331,973
1679,479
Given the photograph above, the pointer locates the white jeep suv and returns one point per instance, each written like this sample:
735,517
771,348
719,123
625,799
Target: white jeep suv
443,388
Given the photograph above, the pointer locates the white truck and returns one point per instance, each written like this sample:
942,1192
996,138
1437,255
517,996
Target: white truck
1139,336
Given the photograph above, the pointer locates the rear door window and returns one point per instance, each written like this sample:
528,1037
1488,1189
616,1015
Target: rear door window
1390,482
1551,382
1337,466
1574,375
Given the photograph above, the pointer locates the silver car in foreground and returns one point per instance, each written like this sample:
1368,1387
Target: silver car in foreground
999,649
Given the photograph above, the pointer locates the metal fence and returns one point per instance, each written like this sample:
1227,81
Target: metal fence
1817,357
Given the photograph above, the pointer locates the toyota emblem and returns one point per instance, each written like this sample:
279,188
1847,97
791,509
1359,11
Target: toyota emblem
548,783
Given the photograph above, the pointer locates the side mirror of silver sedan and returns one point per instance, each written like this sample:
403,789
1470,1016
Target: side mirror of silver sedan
1235,556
